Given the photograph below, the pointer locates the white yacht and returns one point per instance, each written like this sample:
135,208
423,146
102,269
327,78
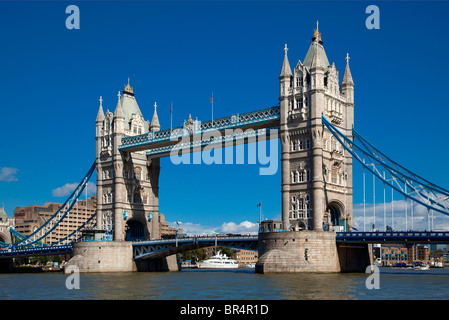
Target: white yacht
218,261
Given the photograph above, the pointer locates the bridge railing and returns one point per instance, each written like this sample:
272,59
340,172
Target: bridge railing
394,234
232,121
194,239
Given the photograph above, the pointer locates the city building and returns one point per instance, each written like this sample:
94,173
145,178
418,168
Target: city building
165,230
245,257
28,219
391,254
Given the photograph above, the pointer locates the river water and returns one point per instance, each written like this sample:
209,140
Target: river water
237,284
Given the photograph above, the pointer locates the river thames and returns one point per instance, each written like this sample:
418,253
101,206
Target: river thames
238,284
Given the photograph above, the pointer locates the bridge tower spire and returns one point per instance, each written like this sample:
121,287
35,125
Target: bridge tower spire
127,182
316,174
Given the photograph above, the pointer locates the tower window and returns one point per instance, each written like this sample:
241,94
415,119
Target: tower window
307,143
334,176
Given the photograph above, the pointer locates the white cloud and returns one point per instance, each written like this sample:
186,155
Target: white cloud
191,229
244,227
8,174
68,188
422,219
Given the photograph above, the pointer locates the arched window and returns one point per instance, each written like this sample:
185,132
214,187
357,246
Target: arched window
138,173
334,176
307,143
333,144
301,176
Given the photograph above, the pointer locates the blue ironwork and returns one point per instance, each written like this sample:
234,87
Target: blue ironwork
43,250
165,247
393,237
391,173
40,233
59,215
264,118
84,225
197,144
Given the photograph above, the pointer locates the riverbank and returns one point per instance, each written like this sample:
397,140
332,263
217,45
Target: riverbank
36,269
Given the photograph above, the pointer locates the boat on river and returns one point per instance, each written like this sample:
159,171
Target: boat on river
218,261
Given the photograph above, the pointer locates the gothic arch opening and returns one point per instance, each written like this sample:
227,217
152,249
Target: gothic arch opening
334,217
134,230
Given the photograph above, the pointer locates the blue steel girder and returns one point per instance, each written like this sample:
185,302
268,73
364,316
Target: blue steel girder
36,251
221,139
161,248
393,237
164,140
46,228
391,173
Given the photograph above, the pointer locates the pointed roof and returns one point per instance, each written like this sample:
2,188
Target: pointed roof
155,126
286,70
316,50
347,77
100,115
118,109
316,60
3,215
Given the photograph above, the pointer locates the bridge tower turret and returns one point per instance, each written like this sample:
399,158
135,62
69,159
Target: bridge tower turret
127,183
316,172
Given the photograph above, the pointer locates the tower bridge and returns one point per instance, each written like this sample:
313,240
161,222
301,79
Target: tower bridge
314,122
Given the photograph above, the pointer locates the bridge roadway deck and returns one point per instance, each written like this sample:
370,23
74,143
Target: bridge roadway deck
159,248
413,237
37,251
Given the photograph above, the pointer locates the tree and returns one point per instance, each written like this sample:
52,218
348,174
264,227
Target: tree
194,255
225,250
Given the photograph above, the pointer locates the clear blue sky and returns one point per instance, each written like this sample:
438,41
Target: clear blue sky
52,77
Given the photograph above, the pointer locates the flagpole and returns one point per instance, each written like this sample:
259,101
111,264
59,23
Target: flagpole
171,117
212,108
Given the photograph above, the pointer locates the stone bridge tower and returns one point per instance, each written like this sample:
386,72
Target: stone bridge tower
127,183
316,171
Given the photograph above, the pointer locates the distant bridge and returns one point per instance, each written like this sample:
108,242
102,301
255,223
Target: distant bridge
162,248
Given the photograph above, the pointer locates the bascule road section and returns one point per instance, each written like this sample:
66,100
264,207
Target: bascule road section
161,248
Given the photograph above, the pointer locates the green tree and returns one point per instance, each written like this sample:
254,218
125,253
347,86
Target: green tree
194,255
225,250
